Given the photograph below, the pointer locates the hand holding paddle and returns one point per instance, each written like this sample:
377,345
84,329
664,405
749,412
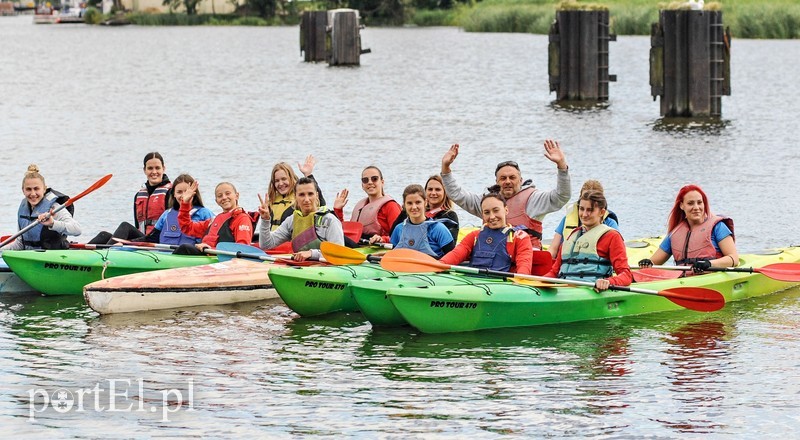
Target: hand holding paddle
102,181
409,260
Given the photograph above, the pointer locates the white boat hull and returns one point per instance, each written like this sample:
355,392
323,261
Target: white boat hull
229,282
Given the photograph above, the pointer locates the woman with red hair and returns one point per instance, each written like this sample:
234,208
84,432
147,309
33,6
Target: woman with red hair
696,236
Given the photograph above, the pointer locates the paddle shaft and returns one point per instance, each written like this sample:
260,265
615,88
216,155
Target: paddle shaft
72,200
239,254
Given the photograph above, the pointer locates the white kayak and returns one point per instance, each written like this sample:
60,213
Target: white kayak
228,282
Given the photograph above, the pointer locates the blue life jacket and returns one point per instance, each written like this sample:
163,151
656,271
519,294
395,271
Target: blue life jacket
416,237
40,237
172,234
490,250
579,258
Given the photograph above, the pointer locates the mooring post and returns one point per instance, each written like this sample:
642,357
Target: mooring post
690,63
578,55
344,38
313,26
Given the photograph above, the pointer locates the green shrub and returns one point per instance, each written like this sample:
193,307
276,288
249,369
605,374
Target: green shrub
93,16
433,17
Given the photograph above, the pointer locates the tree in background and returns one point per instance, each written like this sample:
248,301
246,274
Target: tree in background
190,5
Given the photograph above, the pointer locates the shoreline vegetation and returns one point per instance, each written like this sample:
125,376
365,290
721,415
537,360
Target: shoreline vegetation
777,19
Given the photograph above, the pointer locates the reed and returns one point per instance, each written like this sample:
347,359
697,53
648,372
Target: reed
433,17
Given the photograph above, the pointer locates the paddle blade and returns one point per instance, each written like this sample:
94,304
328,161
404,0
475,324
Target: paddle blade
240,250
340,255
353,230
700,299
102,181
650,274
285,248
409,260
781,271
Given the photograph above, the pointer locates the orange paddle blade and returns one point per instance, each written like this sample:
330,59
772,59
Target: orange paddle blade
102,181
340,255
695,298
781,271
409,260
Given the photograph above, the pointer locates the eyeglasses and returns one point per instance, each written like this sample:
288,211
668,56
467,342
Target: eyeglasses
508,163
373,178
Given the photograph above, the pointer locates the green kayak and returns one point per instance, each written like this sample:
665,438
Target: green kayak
442,309
59,272
300,287
316,290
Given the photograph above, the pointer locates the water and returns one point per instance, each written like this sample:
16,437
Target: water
226,103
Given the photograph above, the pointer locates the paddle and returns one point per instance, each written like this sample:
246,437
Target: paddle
377,244
777,271
121,247
102,181
409,260
144,244
341,255
226,251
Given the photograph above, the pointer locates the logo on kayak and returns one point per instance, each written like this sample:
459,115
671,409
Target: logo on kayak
453,305
325,285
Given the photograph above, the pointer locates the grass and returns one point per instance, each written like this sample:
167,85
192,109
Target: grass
746,18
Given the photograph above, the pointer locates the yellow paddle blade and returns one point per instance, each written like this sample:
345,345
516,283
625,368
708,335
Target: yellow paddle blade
340,255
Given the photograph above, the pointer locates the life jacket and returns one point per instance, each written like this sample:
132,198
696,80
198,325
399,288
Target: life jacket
304,229
40,237
149,207
171,233
689,245
490,250
219,231
579,258
572,220
277,209
518,217
367,214
416,237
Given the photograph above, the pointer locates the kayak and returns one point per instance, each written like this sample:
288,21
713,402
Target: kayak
229,282
443,309
10,282
320,290
59,272
311,291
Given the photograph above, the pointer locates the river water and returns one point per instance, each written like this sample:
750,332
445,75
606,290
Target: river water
227,103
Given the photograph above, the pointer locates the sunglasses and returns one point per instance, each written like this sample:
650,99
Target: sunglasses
508,163
373,178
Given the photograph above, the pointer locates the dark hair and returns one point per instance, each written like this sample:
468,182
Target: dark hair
447,204
153,155
305,181
174,202
508,163
413,189
596,198
493,195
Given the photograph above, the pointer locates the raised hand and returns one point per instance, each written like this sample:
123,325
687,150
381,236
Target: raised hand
341,199
553,152
307,168
449,157
263,207
188,195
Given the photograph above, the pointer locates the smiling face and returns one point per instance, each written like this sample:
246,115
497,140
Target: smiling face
374,183
510,181
154,170
227,197
494,213
591,216
33,189
179,189
281,182
693,207
306,198
414,205
434,192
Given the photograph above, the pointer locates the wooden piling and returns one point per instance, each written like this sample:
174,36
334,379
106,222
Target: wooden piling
578,55
344,38
313,28
690,63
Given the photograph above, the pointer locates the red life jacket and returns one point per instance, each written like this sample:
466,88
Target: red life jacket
219,230
517,216
367,214
149,207
689,244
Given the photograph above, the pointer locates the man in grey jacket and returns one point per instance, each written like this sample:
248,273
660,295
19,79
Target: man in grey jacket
527,205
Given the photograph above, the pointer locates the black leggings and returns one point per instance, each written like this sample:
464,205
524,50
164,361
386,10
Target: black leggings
125,231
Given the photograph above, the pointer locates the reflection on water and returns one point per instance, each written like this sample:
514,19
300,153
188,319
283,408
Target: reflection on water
696,125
